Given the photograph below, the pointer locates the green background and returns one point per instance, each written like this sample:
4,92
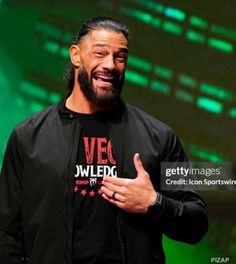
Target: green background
181,69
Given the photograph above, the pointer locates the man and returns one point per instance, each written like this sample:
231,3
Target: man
80,181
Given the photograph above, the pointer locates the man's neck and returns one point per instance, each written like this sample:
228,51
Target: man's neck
77,102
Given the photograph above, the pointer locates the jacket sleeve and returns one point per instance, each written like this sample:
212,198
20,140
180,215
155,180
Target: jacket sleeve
10,204
182,213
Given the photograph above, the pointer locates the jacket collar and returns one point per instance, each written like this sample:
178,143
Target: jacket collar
113,115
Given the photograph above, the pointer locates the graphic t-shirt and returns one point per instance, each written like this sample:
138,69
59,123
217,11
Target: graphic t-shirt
96,239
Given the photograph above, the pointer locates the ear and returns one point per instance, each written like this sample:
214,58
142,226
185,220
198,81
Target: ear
75,55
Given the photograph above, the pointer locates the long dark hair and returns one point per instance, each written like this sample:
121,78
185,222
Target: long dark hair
107,23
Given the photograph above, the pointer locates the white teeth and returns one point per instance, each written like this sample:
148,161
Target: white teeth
104,77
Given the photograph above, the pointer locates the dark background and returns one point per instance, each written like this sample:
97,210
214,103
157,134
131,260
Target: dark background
181,69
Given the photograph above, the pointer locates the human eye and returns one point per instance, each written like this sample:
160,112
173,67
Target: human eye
99,53
121,57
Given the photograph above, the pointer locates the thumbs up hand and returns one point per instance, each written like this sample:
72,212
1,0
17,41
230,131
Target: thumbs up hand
132,195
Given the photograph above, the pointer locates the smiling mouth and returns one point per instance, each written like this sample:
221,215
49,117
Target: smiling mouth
105,78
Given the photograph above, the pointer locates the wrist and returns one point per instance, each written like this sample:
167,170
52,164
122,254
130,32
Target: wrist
155,207
151,199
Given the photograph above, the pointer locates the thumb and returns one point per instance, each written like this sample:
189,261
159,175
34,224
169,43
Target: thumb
138,163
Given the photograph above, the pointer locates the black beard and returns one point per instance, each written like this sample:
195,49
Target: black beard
110,98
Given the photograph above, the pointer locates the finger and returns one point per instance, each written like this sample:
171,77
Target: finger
106,191
110,194
112,187
138,163
115,202
114,180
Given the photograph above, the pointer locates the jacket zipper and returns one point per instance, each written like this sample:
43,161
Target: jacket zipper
120,239
118,213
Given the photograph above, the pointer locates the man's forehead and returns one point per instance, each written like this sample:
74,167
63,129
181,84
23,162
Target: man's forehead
106,37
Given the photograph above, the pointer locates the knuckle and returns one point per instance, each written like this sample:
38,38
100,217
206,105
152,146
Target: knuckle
123,192
126,184
124,200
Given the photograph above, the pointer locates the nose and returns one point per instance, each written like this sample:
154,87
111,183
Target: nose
108,63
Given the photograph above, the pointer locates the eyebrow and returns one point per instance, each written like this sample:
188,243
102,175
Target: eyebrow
105,45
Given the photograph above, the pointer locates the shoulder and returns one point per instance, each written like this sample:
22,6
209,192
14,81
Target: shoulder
33,123
158,132
22,132
37,118
147,120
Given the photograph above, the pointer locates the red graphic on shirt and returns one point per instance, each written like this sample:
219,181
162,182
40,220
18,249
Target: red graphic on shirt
103,147
76,189
92,193
83,192
99,191
99,161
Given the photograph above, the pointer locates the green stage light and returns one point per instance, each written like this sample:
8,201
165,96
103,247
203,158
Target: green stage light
68,37
36,106
64,52
136,78
158,7
140,15
33,90
205,154
232,112
184,96
39,93
48,30
20,102
223,31
209,105
176,29
175,14
198,22
195,36
151,5
139,63
221,45
54,97
187,81
171,27
163,72
156,22
216,91
160,87
52,47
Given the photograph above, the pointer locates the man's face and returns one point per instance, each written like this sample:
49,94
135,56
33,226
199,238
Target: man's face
103,57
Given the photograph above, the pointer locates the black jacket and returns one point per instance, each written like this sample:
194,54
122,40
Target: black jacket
36,188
